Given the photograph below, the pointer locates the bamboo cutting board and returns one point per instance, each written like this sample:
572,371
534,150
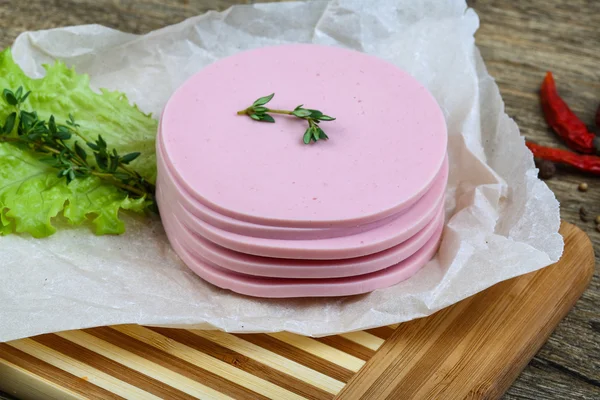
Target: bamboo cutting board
473,349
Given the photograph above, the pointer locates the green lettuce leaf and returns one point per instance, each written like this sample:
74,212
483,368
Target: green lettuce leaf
31,195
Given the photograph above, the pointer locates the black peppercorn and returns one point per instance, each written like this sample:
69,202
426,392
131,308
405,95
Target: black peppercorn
547,169
583,214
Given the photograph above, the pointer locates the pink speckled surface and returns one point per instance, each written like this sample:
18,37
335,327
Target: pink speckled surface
282,288
385,149
378,239
310,269
168,182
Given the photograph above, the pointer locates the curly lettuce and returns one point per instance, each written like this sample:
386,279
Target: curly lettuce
31,195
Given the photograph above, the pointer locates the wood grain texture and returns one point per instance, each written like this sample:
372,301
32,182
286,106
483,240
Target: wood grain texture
519,40
476,348
473,349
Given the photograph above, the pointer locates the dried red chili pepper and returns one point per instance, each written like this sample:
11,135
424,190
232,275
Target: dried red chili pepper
565,123
583,162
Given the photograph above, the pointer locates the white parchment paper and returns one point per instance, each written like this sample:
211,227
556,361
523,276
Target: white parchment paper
502,221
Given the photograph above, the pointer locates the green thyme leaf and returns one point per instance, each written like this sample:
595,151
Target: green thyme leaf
93,146
113,163
301,112
307,135
101,160
9,96
267,118
254,116
80,151
25,96
315,114
62,135
71,121
127,158
101,143
263,100
315,133
52,125
10,123
260,109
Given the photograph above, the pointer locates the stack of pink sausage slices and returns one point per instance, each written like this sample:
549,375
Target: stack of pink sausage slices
250,207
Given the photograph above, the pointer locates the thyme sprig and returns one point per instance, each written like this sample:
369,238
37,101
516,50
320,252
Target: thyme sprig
70,158
258,112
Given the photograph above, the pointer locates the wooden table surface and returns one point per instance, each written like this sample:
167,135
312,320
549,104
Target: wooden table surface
519,41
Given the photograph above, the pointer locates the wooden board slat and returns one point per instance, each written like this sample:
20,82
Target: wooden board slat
473,349
476,348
